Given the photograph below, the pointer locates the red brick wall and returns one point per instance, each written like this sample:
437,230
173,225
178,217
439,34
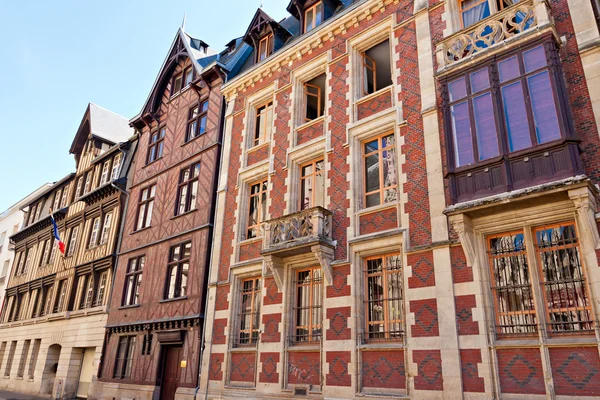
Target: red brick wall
243,367
464,315
383,369
461,272
304,368
521,371
472,382
215,371
259,154
250,250
426,318
271,328
219,331
310,132
379,221
273,295
221,302
339,287
429,369
422,270
269,372
338,375
575,370
376,104
338,324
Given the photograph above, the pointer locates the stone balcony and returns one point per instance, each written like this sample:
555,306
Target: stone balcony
495,33
307,232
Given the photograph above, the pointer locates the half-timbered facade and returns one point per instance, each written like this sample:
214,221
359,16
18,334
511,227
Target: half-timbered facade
156,312
52,322
408,204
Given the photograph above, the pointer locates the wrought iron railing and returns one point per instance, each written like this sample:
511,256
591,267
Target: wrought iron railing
497,28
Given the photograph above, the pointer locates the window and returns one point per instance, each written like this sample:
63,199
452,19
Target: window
85,291
23,359
59,303
53,245
188,189
15,229
133,281
257,208
106,229
265,47
383,297
524,111
94,233
116,166
46,244
560,273
88,182
473,11
11,356
65,197
5,268
314,91
308,306
188,75
177,84
72,241
2,351
197,121
79,187
145,207
377,70
33,303
313,17
155,148
312,185
20,262
249,311
104,177
57,198
147,344
263,124
101,289
46,300
381,177
34,357
124,357
177,270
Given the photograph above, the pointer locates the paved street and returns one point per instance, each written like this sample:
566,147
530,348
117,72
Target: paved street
6,395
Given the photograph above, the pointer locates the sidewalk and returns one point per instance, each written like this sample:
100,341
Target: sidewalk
7,395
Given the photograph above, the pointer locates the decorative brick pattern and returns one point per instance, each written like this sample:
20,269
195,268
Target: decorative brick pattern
472,382
338,324
461,272
340,286
338,368
215,372
271,332
429,367
269,372
258,155
273,296
464,315
250,250
243,367
521,371
379,221
310,132
219,331
376,104
426,318
304,368
383,369
422,270
221,302
575,370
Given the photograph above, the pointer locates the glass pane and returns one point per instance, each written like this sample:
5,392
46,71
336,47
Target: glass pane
182,199
172,279
203,124
184,275
371,146
534,59
175,252
187,250
509,69
372,173
192,129
543,107
515,114
457,89
307,170
474,14
149,213
480,80
309,20
373,200
461,129
204,106
306,192
320,186
485,126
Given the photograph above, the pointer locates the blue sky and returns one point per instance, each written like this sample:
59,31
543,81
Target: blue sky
57,56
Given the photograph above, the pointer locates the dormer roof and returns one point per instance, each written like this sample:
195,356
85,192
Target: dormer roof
262,22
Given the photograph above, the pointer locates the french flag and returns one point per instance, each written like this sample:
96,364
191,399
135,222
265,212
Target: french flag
61,245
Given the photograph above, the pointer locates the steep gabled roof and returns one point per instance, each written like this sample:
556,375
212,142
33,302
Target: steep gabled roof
259,21
183,46
102,124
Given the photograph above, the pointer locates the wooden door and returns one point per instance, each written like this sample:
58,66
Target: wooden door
171,372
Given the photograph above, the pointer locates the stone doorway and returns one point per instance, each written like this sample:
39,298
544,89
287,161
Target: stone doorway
50,369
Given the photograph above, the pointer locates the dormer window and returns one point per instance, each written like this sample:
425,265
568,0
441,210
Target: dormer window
265,47
313,17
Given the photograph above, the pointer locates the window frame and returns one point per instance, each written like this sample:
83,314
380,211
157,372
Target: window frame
263,189
178,292
313,175
313,21
72,243
196,120
156,146
116,166
187,189
379,152
255,293
105,172
268,49
177,78
186,72
263,120
133,281
319,97
144,209
105,231
94,231
123,365
310,336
